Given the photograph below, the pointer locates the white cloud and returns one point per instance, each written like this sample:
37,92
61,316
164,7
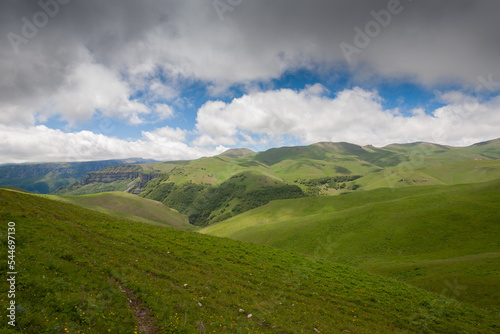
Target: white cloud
39,144
353,115
160,90
90,87
73,89
165,135
163,111
264,119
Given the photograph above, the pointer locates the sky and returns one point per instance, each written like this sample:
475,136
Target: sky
180,79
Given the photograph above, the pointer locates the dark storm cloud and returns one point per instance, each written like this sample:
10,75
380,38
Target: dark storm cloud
123,43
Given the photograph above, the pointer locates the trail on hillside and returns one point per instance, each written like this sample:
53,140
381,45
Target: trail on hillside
142,314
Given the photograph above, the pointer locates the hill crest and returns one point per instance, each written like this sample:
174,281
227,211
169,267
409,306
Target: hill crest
237,152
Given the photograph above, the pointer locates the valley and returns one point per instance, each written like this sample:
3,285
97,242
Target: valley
330,237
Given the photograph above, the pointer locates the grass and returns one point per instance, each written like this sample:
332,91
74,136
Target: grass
14,188
98,187
255,181
77,269
425,236
466,172
128,206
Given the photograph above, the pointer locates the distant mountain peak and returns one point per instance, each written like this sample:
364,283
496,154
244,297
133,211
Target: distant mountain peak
493,142
417,144
237,152
338,146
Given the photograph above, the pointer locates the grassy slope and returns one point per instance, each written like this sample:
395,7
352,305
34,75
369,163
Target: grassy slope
254,180
15,189
432,173
95,188
422,235
69,260
466,172
128,206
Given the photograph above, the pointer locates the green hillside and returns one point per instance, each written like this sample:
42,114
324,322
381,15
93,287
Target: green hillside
473,171
128,206
205,204
77,189
425,236
14,188
80,271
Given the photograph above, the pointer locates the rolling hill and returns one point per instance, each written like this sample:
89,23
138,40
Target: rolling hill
128,206
205,204
82,271
425,236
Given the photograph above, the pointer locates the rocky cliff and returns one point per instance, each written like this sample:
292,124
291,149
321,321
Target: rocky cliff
47,177
111,179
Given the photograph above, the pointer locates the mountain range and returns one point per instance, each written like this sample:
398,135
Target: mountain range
212,189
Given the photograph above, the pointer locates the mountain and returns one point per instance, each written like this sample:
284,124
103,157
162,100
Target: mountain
84,271
237,152
45,178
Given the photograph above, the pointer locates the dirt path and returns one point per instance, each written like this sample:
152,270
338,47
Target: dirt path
142,314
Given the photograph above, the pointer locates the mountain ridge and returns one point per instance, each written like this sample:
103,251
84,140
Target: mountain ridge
323,168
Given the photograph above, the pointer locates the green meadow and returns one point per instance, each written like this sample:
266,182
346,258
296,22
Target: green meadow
81,271
128,206
432,237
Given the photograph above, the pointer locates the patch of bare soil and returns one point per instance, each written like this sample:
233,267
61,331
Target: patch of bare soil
142,313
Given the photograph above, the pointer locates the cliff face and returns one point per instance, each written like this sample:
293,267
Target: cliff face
47,177
145,178
109,177
134,176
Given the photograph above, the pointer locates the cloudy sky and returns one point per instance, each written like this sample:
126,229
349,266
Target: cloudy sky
166,79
